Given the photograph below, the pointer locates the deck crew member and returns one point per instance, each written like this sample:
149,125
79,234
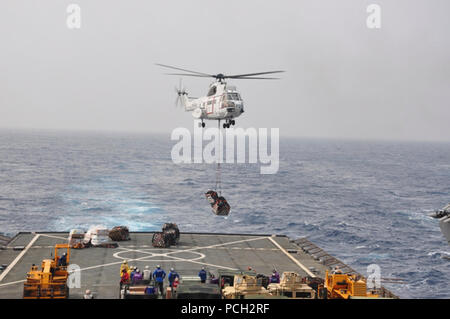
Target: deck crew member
147,273
125,278
124,266
172,276
133,273
137,276
337,270
175,284
63,260
202,275
88,295
275,278
159,276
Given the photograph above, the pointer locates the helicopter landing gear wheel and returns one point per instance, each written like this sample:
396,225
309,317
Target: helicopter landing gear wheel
233,122
225,125
203,124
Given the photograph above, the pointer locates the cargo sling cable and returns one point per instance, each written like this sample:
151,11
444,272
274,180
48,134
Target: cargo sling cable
218,203
218,171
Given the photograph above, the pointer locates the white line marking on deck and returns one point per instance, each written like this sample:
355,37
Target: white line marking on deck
189,247
23,252
150,255
202,263
12,283
292,258
173,257
57,237
223,244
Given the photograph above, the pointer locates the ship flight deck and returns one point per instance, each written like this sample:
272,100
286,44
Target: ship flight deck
99,267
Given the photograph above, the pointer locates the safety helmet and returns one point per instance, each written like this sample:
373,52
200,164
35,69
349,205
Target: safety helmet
171,269
158,266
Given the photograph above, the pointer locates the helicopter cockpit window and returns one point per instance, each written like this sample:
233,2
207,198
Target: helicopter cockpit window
212,91
233,97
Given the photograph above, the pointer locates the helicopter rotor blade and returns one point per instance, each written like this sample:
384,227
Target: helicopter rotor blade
180,69
219,76
256,78
187,74
252,74
224,76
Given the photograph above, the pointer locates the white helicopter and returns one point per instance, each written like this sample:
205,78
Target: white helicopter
223,101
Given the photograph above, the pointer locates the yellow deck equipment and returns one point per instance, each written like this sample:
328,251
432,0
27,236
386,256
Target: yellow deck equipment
49,282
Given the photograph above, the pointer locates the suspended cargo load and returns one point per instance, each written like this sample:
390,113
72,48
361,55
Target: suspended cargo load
119,233
219,204
221,207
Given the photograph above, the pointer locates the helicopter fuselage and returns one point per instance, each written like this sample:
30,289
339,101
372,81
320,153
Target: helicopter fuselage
222,102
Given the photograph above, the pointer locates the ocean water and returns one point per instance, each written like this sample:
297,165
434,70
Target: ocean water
363,202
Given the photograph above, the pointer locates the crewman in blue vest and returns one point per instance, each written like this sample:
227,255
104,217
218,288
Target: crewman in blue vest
202,275
159,276
133,272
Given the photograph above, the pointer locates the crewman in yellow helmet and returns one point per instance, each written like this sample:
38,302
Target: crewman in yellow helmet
126,267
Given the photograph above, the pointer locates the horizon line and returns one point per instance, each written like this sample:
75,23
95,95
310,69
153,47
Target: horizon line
288,136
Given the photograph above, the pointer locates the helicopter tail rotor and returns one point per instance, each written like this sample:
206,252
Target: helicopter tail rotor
180,90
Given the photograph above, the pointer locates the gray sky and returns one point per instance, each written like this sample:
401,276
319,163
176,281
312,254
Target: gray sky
342,79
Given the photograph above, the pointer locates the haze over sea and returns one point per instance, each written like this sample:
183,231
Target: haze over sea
362,201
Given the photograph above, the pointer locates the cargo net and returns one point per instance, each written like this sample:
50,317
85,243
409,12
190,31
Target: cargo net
219,204
169,236
119,233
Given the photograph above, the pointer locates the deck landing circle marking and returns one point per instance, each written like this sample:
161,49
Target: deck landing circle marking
151,255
